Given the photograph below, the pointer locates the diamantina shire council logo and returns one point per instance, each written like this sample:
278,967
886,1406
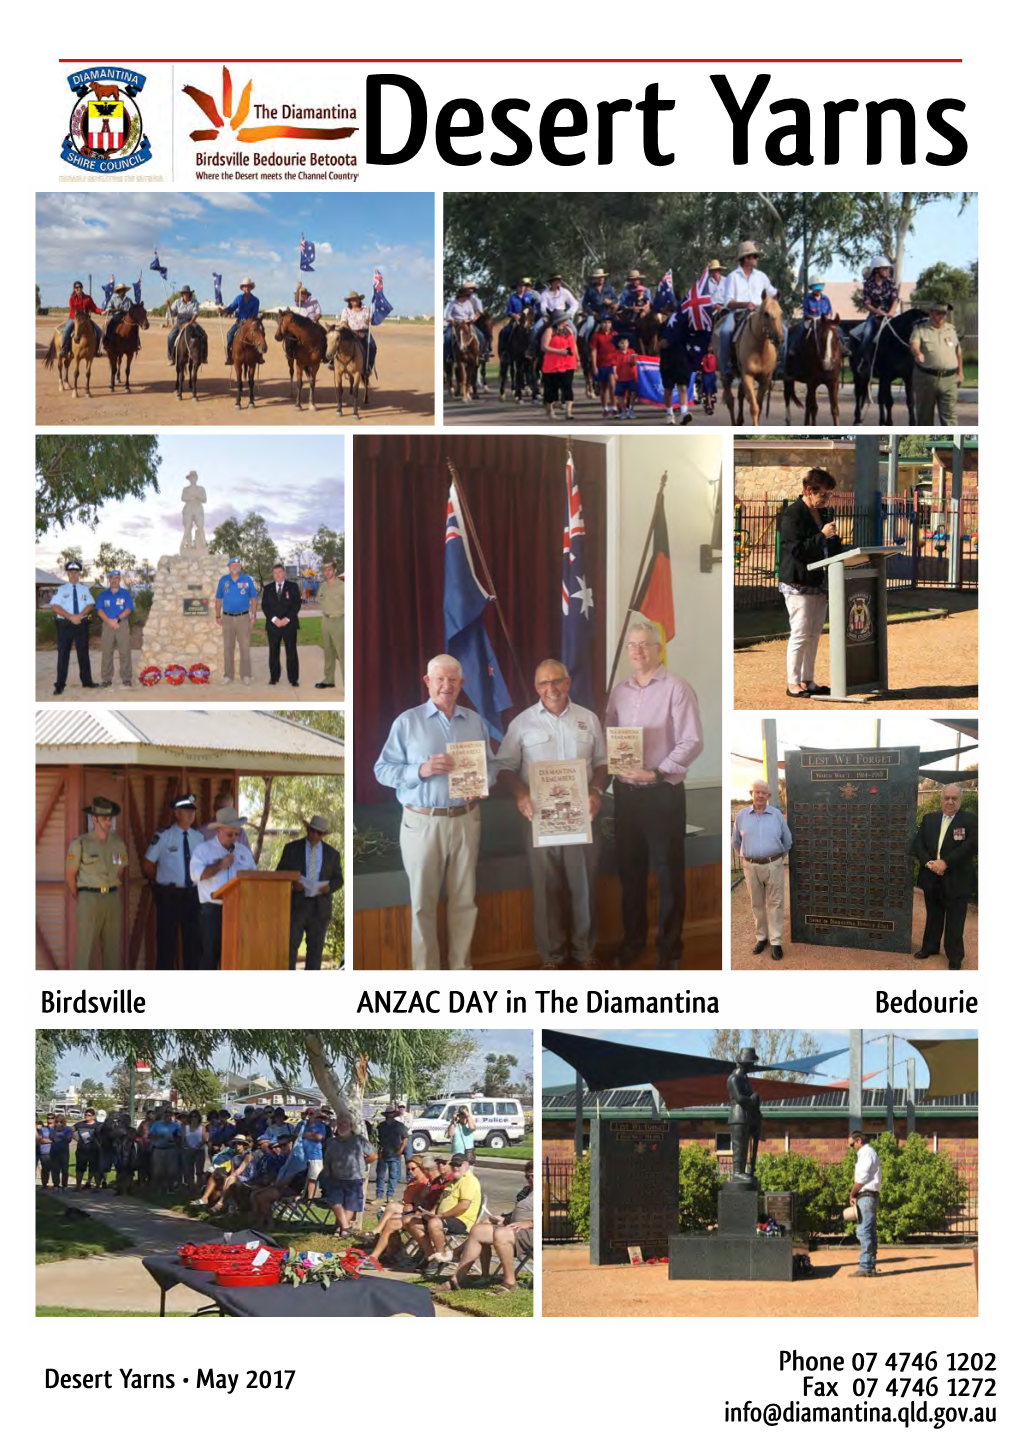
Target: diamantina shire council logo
105,133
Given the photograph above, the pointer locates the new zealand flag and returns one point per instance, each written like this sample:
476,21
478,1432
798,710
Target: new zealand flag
307,254
577,600
464,603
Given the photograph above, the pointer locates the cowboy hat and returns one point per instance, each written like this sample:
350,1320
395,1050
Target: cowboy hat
852,1213
635,275
354,295
227,816
746,248
714,265
247,281
320,824
120,287
525,280
599,274
186,290
102,806
748,1056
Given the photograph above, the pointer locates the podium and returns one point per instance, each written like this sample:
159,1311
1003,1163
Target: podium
858,658
256,920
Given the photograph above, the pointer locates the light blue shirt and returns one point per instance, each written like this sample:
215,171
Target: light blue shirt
64,597
313,862
166,849
761,833
539,735
205,855
415,736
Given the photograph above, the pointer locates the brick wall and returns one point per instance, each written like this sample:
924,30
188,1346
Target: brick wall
779,473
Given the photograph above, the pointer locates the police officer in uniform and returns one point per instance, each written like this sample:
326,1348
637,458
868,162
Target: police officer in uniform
167,864
938,364
95,861
331,604
113,607
71,605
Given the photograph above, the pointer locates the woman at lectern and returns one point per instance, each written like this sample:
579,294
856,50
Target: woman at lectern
806,533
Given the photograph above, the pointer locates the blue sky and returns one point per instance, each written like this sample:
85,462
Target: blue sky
940,233
237,233
504,1042
296,484
696,1042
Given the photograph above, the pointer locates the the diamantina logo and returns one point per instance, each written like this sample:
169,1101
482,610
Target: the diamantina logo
247,109
105,133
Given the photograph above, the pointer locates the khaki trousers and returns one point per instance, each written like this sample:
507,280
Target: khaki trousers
119,641
437,849
97,919
765,884
333,650
236,628
934,393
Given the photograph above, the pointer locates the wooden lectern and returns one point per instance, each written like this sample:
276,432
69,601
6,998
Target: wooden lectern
256,920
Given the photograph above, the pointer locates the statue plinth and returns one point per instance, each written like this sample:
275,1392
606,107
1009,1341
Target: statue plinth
736,1251
179,629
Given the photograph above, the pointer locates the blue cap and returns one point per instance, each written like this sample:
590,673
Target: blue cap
114,572
234,561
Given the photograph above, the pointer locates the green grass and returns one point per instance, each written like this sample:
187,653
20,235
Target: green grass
474,1298
59,1238
80,1312
521,1152
310,633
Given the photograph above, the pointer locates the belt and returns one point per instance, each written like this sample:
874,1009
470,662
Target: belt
235,613
174,886
932,371
762,860
443,810
97,890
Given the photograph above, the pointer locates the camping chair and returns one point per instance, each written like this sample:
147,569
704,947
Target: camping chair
299,1210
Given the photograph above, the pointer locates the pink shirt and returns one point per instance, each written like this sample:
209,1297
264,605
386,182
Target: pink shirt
667,710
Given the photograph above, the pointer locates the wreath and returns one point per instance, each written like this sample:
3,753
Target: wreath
175,675
150,675
199,674
299,1268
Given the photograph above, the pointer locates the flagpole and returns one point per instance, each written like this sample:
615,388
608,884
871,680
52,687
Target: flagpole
637,584
470,525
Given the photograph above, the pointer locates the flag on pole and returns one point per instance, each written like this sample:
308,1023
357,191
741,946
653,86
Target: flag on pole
108,289
307,254
577,601
664,297
655,594
464,603
155,265
649,382
697,304
217,280
136,286
380,305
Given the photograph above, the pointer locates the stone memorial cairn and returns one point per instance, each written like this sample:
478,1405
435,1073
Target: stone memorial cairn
181,628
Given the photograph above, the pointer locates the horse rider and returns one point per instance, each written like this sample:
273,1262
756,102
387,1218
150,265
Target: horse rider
244,306
305,304
556,302
938,363
180,311
716,283
118,305
744,287
79,303
816,305
597,301
521,297
881,298
465,306
357,318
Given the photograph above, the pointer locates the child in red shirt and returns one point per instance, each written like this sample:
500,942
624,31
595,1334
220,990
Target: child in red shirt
626,378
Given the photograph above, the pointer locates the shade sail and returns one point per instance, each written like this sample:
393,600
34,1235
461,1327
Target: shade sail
927,757
711,1090
608,1064
952,1065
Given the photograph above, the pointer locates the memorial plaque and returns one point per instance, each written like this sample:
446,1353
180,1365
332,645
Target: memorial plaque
853,817
634,1188
195,606
863,664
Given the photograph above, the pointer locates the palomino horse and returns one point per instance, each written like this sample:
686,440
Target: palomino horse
122,341
191,352
462,371
84,348
515,363
756,348
305,344
350,364
249,344
890,360
817,363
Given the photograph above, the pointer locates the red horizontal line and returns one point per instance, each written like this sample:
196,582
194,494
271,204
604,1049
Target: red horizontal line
531,60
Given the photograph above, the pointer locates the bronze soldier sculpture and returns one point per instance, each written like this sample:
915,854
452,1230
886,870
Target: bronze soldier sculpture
745,1118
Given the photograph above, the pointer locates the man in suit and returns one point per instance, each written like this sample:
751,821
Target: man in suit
310,903
946,846
281,602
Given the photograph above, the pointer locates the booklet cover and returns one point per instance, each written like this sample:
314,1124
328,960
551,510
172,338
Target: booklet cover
470,775
559,793
625,748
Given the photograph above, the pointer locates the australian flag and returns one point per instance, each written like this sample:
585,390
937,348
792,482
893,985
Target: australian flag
217,280
380,305
155,265
664,299
307,254
697,304
136,286
108,289
464,603
578,605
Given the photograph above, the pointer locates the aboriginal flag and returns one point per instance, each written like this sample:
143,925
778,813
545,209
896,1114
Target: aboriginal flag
655,594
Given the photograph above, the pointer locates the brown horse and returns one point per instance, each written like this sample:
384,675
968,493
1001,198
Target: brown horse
817,363
249,345
515,361
350,363
191,352
463,369
122,341
84,349
304,341
756,348
484,324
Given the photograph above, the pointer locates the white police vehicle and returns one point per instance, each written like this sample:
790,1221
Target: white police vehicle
499,1122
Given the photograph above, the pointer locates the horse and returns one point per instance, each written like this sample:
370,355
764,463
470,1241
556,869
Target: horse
818,362
515,360
756,348
191,352
484,324
249,344
889,359
304,341
350,363
122,341
462,371
84,347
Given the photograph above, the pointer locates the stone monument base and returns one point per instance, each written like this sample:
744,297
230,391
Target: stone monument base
181,627
735,1252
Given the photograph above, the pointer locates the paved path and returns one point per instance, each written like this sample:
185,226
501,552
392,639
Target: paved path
309,670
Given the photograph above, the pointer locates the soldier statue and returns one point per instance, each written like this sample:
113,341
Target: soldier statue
745,1118
193,517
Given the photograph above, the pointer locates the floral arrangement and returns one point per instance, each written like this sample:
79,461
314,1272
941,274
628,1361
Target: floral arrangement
175,675
199,674
299,1268
150,675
